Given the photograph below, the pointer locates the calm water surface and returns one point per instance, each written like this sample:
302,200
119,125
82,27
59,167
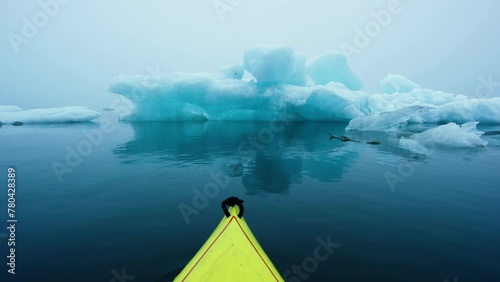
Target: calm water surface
116,207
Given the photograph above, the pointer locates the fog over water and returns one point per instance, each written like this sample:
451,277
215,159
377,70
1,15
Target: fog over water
74,53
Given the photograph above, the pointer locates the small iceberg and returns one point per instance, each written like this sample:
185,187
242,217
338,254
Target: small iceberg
448,135
386,121
12,114
9,108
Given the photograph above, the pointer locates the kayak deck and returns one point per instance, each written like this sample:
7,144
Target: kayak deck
231,253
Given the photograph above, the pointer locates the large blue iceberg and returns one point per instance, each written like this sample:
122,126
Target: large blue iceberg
273,81
272,65
333,67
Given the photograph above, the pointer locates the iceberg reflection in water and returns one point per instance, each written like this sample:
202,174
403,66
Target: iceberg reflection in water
269,165
122,200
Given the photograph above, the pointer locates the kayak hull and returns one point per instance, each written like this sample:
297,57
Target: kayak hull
231,253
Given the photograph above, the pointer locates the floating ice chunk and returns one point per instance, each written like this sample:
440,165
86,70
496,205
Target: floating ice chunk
447,106
273,64
396,83
414,146
8,108
50,115
234,72
383,102
481,110
448,135
333,67
386,121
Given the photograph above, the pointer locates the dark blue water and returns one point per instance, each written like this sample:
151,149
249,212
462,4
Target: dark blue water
116,208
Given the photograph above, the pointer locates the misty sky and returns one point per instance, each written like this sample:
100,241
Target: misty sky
440,44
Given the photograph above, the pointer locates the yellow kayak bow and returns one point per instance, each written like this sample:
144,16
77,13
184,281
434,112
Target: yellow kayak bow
231,253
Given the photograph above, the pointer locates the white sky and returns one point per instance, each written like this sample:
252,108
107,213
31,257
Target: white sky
441,44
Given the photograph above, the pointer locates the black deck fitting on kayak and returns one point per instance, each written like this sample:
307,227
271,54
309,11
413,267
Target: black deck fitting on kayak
233,201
